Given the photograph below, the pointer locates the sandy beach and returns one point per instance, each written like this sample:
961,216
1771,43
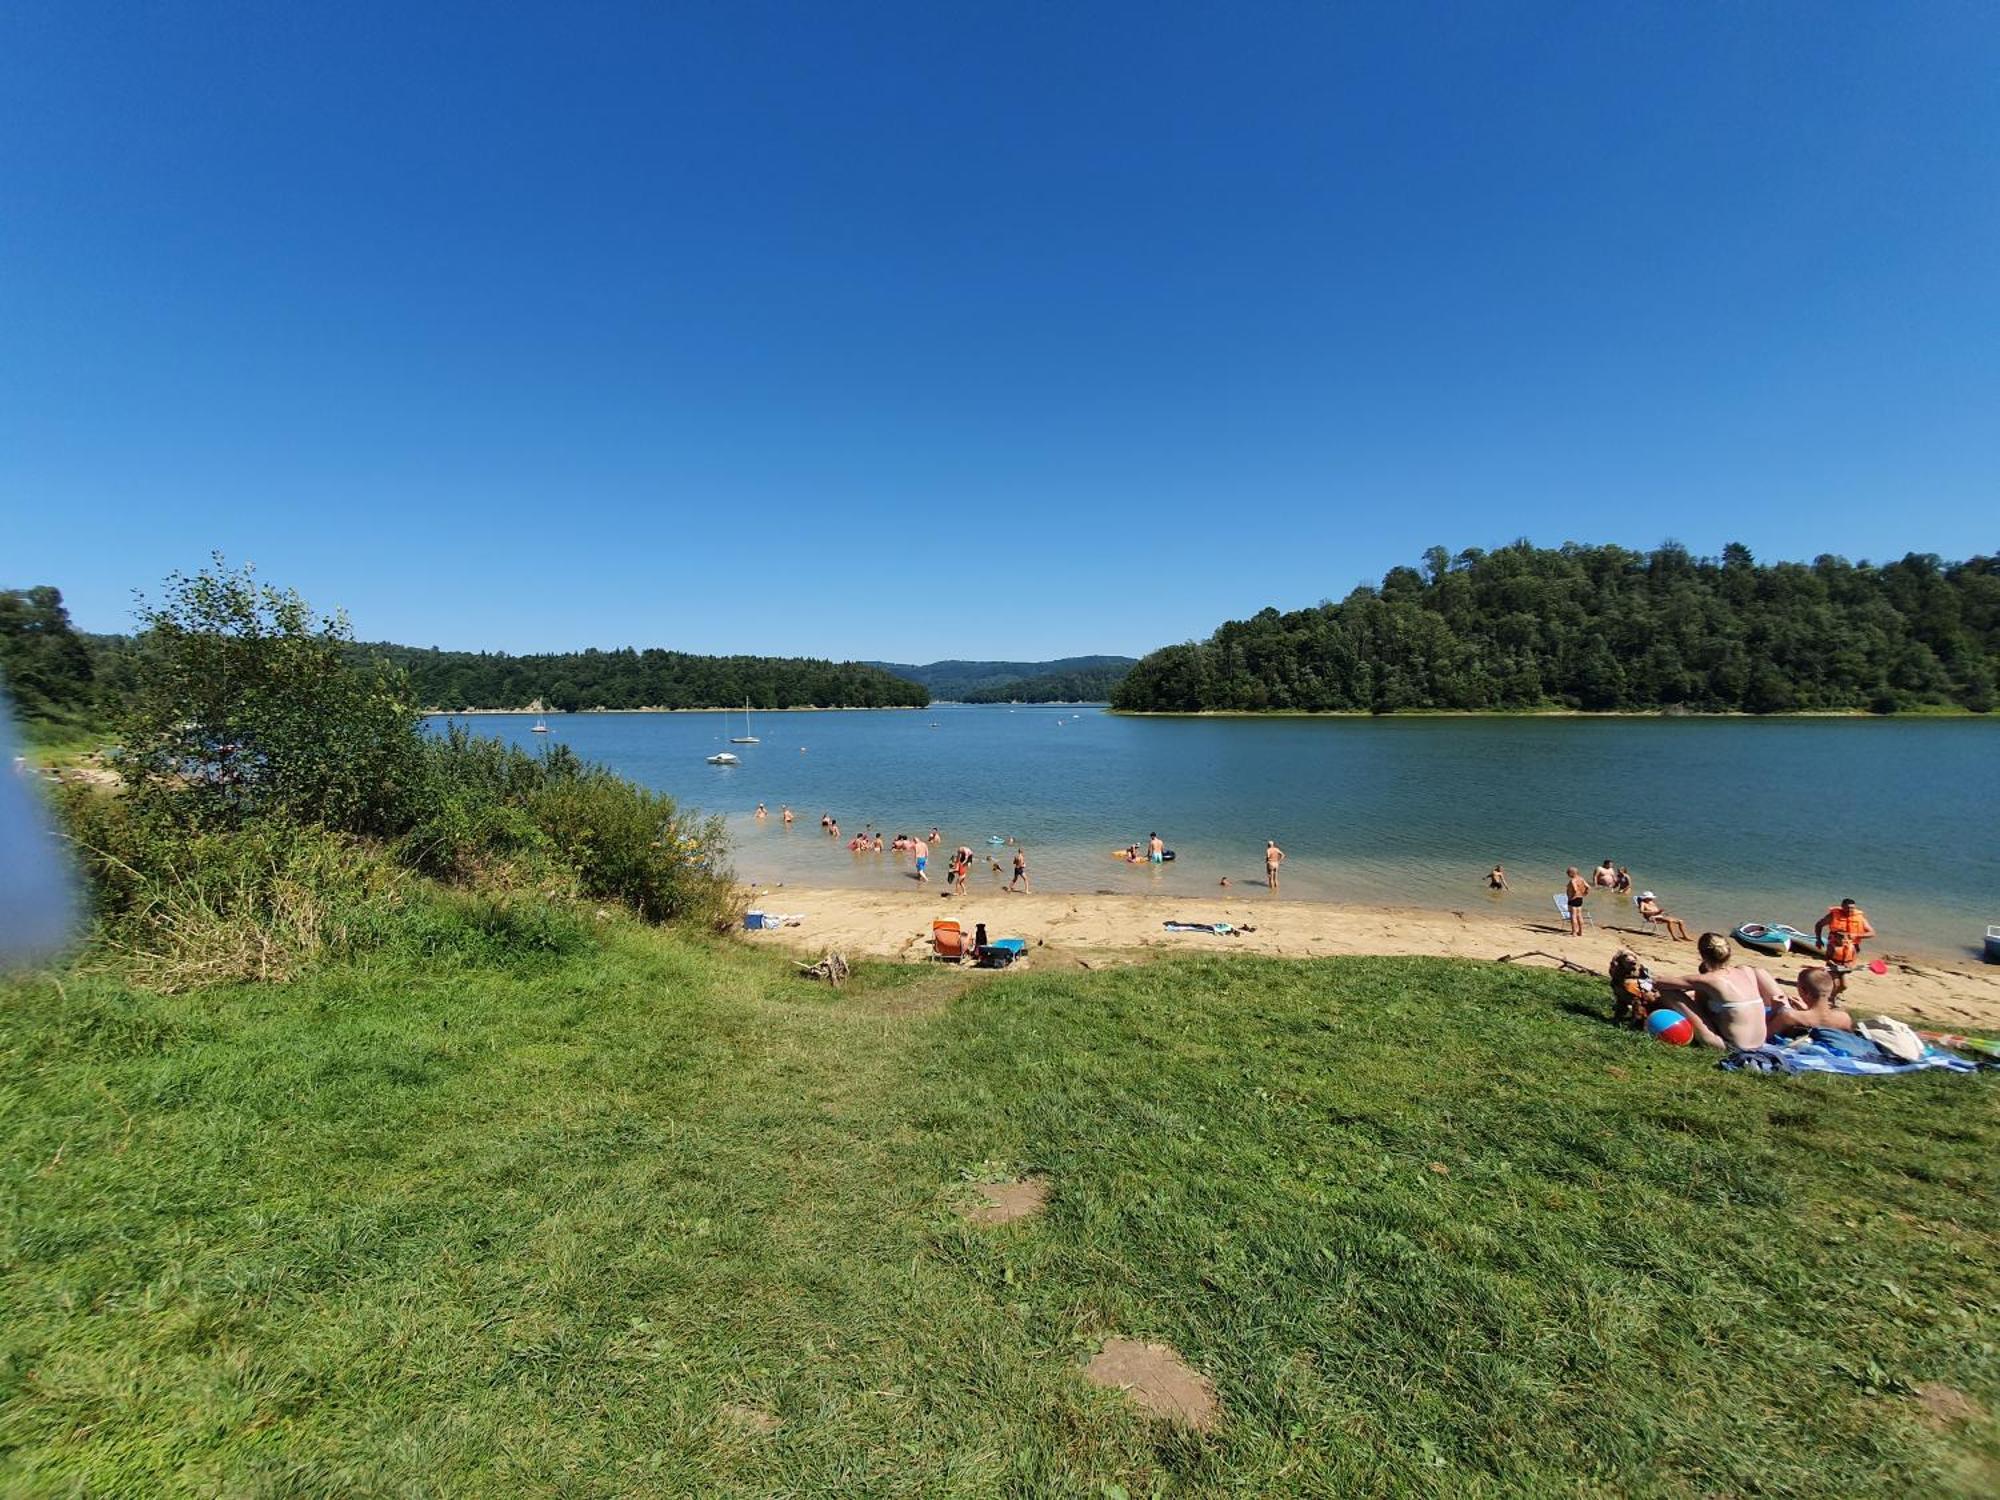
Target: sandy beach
1072,930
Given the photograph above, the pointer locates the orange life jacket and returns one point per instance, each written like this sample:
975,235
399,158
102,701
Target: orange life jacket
1844,931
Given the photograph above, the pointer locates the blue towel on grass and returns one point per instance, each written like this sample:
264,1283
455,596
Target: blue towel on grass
1819,1053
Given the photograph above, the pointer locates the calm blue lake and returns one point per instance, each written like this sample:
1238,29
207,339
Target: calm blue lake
1727,819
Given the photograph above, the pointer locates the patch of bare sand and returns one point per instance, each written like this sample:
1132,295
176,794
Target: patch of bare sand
1157,1380
1073,930
1947,1406
1004,1202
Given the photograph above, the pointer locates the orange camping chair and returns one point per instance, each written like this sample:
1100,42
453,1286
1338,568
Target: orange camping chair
948,942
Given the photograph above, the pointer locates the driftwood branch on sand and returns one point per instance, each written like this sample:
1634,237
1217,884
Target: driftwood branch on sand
1567,965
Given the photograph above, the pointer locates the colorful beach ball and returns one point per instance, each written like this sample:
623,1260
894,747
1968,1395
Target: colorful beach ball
1671,1027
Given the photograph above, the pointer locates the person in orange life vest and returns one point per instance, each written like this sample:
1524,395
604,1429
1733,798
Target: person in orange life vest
1841,931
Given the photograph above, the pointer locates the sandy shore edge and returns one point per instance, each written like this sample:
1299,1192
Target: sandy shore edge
1072,930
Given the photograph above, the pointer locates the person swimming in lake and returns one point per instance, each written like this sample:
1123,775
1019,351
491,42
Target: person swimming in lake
763,811
1622,886
1606,874
786,814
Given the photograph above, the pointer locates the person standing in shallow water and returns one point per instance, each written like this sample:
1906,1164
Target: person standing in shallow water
1273,857
1020,880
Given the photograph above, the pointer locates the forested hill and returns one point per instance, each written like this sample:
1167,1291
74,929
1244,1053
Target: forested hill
996,681
62,678
1604,628
568,681
1093,685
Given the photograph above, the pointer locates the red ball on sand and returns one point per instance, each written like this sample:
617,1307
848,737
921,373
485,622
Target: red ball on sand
1671,1027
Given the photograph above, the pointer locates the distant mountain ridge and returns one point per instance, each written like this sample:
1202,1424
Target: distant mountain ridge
1090,677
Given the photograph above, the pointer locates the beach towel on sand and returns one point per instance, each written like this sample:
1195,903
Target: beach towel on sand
1220,929
1838,1052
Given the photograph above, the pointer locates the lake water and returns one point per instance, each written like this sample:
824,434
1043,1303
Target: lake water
1729,820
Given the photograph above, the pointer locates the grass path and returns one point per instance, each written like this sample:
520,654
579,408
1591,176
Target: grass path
564,1228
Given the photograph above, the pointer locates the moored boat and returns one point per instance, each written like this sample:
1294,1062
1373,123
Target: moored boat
1993,945
1775,940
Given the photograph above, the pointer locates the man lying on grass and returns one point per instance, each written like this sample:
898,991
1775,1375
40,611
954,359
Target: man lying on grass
1738,1008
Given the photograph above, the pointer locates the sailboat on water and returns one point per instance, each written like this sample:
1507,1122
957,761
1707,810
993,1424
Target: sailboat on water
541,727
746,737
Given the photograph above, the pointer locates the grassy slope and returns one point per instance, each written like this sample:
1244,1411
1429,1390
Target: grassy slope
523,1231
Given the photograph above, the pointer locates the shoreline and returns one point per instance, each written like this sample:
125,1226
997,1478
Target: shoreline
720,708
1940,711
1081,930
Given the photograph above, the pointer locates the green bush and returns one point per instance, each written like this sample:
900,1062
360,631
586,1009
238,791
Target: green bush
247,706
280,801
490,814
178,909
630,845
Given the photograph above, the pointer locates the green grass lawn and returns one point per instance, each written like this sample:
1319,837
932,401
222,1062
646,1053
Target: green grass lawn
1429,1226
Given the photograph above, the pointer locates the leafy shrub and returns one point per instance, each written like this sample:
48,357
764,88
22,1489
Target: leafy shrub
259,903
280,800
631,845
247,706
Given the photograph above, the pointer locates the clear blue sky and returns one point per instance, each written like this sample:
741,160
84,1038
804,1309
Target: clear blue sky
1000,330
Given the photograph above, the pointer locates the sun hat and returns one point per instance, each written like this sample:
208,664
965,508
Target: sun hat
1645,895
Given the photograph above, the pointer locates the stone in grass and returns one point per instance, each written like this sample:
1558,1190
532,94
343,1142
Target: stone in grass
1157,1380
747,1418
1004,1202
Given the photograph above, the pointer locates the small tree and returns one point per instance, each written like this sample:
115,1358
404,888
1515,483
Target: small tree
43,664
247,705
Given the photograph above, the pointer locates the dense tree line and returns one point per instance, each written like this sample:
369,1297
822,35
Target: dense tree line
569,681
1054,687
46,665
58,676
1604,628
